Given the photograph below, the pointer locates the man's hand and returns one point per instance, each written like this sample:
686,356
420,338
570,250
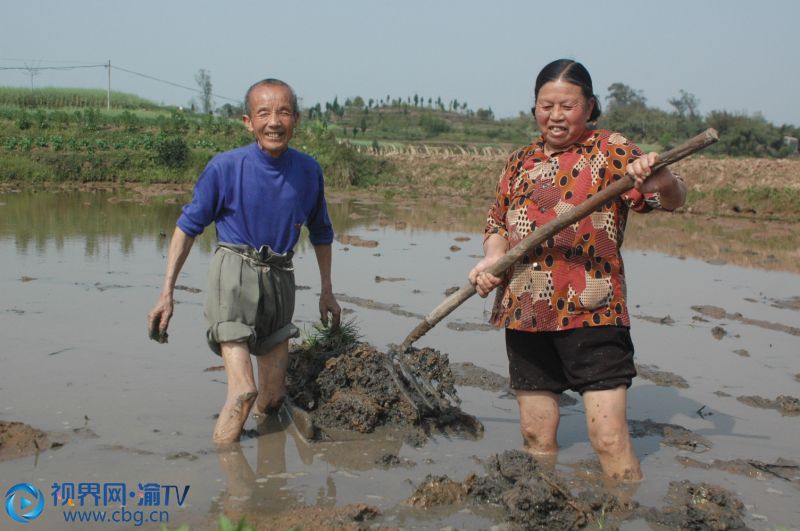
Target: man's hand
328,305
158,319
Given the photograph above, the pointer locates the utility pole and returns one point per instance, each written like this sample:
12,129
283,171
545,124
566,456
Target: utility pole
108,97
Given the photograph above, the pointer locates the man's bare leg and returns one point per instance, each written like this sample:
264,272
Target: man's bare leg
241,392
271,379
607,423
538,419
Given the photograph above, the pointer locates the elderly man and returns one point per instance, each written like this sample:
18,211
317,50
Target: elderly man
259,196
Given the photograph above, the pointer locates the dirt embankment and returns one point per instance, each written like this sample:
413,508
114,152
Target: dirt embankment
713,181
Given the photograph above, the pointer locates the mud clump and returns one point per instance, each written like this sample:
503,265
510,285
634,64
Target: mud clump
698,506
671,434
469,374
530,497
355,241
787,405
661,378
359,389
437,490
19,440
781,468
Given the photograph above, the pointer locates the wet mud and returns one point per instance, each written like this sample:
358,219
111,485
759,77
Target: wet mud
379,279
718,313
788,406
666,320
355,241
533,496
659,377
360,389
671,435
698,506
530,496
470,375
784,469
792,303
370,304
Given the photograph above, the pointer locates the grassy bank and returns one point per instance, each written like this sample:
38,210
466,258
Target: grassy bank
146,145
60,136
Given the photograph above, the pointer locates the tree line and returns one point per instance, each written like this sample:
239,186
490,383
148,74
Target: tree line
626,111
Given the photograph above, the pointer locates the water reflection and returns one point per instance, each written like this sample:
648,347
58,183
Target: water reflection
36,219
265,489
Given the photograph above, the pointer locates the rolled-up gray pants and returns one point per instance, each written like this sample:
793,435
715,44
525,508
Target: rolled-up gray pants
250,298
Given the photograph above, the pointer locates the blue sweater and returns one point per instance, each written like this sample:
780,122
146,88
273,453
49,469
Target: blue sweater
256,199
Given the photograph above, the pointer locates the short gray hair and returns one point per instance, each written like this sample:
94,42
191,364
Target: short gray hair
275,83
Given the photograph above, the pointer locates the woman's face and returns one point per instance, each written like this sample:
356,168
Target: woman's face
561,112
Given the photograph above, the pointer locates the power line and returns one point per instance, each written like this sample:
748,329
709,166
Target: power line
29,68
115,67
169,82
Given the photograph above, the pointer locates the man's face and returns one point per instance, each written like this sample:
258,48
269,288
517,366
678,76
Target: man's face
272,118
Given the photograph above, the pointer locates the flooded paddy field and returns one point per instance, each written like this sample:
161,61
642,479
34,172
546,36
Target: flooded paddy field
716,317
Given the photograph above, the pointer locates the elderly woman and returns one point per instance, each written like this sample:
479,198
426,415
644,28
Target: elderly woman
564,305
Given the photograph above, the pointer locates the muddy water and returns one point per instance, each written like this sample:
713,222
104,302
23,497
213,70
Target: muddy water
81,270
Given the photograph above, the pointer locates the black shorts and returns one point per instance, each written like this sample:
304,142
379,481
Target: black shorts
592,358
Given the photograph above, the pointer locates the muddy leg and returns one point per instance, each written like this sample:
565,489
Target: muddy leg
241,392
538,420
271,379
607,424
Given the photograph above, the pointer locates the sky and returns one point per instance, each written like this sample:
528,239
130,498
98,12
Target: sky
734,55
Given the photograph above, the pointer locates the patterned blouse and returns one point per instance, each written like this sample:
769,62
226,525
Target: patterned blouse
575,278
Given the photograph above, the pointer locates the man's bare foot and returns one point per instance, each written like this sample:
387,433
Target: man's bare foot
268,405
232,418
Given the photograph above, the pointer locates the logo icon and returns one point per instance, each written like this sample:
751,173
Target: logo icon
28,509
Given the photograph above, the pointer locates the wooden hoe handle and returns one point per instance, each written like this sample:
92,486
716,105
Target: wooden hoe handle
540,234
